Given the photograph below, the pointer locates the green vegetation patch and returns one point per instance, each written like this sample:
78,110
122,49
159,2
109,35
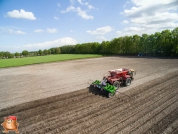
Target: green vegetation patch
43,59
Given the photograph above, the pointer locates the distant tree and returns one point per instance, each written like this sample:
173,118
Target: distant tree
175,41
52,50
128,44
17,54
11,55
114,46
7,54
36,53
40,52
57,50
136,44
143,43
1,54
49,51
96,47
45,52
25,53
167,42
104,47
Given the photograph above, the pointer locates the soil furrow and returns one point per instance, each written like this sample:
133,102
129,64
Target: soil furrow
142,116
148,95
155,119
60,114
175,131
164,123
70,97
103,112
172,127
121,118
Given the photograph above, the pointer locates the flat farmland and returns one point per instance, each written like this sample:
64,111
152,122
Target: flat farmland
57,97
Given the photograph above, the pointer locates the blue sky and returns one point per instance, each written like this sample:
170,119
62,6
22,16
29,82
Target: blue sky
42,24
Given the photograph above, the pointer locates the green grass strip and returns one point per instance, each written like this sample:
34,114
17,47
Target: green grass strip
14,62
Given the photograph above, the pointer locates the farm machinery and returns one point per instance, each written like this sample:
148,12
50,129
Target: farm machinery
111,83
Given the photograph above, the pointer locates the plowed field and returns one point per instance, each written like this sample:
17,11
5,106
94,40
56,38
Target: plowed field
149,105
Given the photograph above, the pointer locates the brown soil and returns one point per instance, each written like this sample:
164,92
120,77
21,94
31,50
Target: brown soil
149,105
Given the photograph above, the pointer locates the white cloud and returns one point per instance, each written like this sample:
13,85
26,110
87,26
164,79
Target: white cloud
56,18
125,21
80,1
90,6
81,13
101,38
156,18
20,32
72,2
50,44
15,31
38,30
85,4
118,32
131,31
126,4
58,5
150,7
101,30
150,16
70,8
52,30
21,14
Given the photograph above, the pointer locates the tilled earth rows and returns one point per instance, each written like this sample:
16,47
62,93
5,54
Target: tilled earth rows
151,108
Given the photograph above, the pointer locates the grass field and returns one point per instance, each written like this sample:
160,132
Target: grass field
4,63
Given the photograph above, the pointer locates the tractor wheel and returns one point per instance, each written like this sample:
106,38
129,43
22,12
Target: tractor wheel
117,85
111,94
128,82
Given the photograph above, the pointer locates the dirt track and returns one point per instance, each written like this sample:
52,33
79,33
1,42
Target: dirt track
149,105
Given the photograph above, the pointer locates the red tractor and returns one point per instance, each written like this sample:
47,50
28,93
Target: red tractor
112,82
120,76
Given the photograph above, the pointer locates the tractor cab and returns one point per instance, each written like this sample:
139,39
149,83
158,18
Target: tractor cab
112,73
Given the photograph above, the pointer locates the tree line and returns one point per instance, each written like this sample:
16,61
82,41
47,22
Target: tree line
163,43
25,53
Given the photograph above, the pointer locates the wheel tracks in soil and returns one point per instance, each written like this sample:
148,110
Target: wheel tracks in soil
72,116
57,116
175,131
155,119
42,102
163,123
171,128
64,107
30,116
136,90
78,122
94,113
139,119
48,120
120,119
92,109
